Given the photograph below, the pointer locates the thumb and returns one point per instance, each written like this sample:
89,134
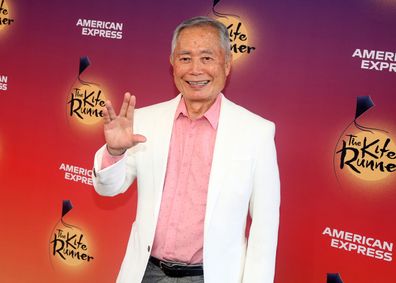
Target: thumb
138,139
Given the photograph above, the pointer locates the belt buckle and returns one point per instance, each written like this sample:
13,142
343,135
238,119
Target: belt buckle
171,265
172,269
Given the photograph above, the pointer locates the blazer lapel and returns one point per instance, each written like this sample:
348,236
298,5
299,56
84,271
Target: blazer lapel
164,126
224,146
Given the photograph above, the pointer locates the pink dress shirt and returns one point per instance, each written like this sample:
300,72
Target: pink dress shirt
180,227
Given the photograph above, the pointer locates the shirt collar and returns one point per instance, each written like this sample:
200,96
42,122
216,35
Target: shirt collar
212,115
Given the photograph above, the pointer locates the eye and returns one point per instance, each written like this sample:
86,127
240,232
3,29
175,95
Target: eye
207,59
184,59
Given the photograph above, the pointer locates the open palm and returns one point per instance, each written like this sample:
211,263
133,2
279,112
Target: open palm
118,129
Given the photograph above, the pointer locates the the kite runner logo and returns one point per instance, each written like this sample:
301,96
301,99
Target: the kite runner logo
367,154
238,33
68,245
86,100
5,15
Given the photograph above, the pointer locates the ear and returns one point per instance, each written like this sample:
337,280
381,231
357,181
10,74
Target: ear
171,59
228,64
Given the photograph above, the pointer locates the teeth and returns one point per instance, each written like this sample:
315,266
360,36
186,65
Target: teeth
198,83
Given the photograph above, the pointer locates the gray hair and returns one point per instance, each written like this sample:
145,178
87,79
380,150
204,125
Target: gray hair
201,22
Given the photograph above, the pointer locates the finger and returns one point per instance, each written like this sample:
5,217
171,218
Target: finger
125,104
106,116
110,110
131,108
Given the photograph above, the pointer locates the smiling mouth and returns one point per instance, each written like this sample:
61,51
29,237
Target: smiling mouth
198,83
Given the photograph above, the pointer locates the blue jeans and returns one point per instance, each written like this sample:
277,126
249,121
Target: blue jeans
154,274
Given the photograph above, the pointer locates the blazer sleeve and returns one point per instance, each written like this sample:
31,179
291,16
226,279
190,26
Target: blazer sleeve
264,211
116,178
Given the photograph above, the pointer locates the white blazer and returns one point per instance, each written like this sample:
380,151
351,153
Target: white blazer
244,178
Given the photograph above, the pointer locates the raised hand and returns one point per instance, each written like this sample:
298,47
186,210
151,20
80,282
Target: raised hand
118,130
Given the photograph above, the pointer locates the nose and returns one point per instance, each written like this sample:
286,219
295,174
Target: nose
196,67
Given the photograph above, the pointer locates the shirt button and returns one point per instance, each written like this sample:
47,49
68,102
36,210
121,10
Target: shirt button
148,248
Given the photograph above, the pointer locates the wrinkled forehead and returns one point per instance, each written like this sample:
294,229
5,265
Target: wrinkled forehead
204,39
200,32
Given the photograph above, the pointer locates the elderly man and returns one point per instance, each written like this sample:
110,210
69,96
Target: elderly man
202,164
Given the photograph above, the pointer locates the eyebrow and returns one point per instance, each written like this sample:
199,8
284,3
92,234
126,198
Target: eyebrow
202,52
207,51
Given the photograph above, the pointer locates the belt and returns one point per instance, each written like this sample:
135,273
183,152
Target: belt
177,269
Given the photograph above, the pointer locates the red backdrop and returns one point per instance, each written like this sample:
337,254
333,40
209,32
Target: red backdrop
307,64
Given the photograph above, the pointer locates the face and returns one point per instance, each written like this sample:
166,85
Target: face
200,68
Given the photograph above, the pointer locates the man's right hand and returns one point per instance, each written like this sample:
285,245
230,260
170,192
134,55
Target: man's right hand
118,130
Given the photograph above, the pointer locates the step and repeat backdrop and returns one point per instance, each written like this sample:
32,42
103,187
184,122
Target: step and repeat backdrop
323,71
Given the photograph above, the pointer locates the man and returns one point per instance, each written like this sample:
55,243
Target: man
203,165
